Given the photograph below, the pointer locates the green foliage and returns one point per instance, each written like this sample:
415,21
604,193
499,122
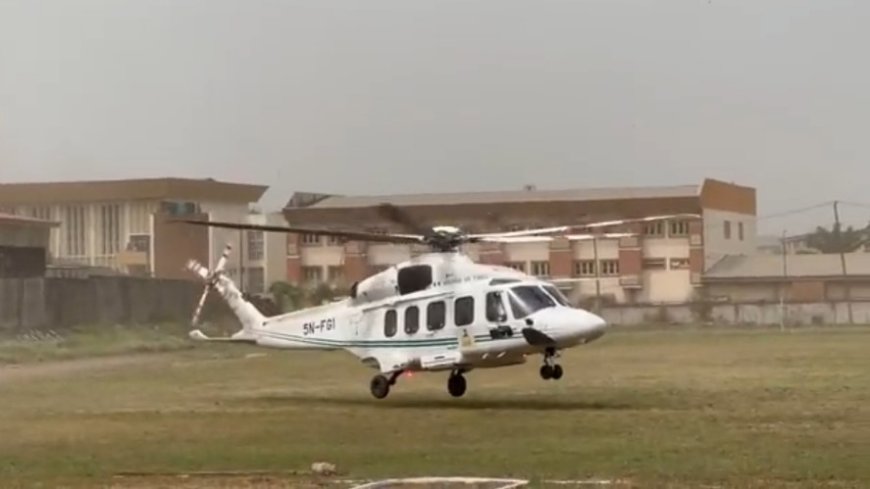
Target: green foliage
290,297
838,240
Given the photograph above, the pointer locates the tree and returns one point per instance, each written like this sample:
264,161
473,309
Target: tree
845,241
289,297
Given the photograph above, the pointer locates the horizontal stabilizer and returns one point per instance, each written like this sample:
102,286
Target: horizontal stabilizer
200,336
536,338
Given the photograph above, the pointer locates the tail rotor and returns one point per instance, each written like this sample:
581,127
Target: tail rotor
209,277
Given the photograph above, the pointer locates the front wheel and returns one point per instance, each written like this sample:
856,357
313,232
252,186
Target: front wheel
380,386
546,372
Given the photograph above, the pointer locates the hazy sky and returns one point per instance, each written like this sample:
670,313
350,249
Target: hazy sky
372,96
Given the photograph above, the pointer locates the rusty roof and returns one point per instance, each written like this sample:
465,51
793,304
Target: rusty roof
500,197
24,220
131,189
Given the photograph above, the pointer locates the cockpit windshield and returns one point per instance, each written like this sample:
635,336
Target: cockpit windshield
527,299
557,294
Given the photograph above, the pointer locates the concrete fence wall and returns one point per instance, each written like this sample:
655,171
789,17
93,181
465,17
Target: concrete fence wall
65,302
741,313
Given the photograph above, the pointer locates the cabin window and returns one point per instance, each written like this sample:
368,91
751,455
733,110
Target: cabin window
412,320
495,310
463,311
390,325
436,313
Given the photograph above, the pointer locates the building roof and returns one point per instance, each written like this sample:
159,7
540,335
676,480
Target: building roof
496,197
23,220
131,189
767,266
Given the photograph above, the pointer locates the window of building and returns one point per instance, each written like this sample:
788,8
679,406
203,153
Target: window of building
516,265
463,311
41,213
740,231
412,320
110,229
255,245
584,268
312,275
656,228
256,278
74,229
679,228
609,268
655,264
541,268
727,229
436,313
335,273
310,239
679,263
495,308
390,323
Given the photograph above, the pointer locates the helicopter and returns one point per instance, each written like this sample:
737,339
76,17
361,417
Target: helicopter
437,312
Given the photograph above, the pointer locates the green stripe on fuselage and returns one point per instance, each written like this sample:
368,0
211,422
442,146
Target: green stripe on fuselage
421,343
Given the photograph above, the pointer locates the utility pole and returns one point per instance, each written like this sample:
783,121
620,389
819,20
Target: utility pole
839,242
597,264
784,284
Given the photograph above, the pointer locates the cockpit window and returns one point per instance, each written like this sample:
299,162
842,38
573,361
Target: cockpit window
557,294
527,299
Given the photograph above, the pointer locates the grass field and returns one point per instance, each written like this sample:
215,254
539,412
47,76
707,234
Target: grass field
669,408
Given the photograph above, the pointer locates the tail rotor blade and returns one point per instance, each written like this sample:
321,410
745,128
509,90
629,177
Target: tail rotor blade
200,305
222,262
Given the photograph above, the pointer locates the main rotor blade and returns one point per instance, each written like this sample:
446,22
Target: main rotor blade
396,215
347,234
564,229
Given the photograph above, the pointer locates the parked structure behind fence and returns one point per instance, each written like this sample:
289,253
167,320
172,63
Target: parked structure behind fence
66,302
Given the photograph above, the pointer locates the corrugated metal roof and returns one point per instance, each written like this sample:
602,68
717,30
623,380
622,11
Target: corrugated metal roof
14,219
771,266
130,189
497,197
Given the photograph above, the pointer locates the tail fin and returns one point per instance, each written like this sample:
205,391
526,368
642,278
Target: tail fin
247,313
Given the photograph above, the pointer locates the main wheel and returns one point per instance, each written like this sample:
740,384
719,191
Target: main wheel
456,385
557,372
546,372
380,386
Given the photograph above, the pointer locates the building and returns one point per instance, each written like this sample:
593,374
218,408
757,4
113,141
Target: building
789,278
264,255
664,263
123,226
23,246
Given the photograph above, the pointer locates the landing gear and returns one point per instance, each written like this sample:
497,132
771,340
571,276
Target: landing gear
456,384
550,369
380,385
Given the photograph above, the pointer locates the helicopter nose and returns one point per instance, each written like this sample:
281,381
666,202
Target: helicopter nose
593,326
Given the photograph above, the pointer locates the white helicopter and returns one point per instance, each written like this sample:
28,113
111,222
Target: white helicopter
439,311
